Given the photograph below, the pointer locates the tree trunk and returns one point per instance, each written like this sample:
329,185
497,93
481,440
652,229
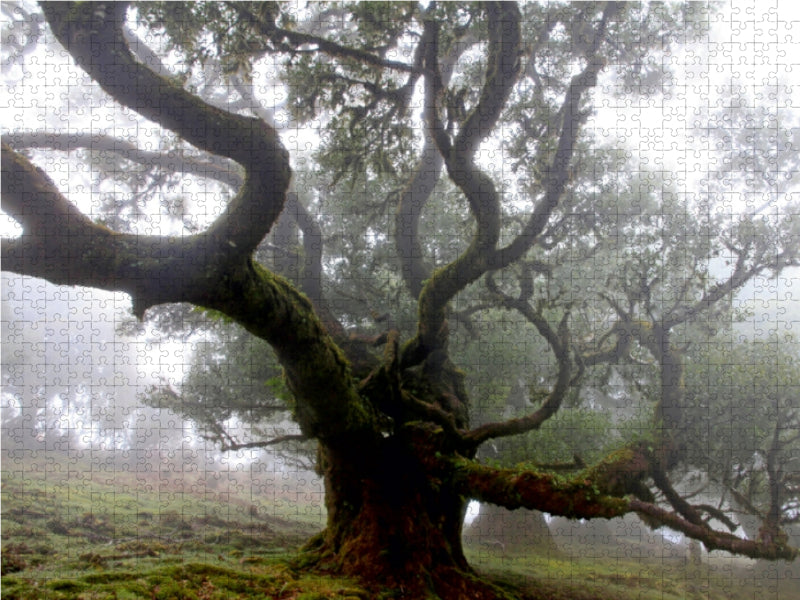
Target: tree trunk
392,525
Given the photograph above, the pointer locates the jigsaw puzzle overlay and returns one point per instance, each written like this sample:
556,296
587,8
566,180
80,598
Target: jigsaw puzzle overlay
508,286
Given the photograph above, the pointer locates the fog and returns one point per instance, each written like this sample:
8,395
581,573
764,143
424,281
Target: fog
77,367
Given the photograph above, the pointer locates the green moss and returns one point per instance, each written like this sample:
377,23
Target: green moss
66,585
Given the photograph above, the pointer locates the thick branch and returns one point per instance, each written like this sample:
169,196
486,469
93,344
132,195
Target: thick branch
413,198
434,87
686,510
482,196
328,405
417,192
64,246
503,68
93,35
212,269
484,201
152,269
599,491
575,497
214,168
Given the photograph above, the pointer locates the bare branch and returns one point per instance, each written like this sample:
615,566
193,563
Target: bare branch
212,167
558,341
231,445
558,173
716,540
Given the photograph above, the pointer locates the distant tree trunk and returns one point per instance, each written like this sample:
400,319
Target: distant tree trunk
516,530
573,536
694,570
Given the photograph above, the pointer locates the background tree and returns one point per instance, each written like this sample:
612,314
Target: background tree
757,405
370,362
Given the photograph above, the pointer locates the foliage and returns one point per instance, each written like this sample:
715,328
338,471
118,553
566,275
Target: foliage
366,281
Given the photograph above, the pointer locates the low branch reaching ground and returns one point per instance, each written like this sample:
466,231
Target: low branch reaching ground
603,491
576,497
772,549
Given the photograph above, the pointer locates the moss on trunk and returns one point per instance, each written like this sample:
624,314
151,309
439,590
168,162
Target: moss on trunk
393,524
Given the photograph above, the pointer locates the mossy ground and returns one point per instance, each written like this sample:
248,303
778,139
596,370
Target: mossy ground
70,531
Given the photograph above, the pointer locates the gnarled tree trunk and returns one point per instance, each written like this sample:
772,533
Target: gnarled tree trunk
394,522
396,445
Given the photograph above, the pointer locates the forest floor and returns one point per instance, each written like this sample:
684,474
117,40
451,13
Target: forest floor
73,530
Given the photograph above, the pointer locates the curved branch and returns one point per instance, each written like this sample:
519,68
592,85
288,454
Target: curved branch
484,202
62,245
716,540
212,269
212,167
415,195
558,340
613,355
152,269
434,87
503,69
93,34
559,172
328,405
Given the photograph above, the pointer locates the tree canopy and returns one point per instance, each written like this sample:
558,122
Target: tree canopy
411,190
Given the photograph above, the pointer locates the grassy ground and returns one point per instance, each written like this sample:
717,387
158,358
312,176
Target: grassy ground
582,578
71,531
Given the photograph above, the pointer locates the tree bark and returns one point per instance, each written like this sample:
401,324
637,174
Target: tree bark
396,451
393,523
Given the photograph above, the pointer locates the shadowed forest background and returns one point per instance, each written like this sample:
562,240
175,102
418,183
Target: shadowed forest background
382,300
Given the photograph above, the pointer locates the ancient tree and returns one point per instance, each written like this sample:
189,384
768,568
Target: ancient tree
389,407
